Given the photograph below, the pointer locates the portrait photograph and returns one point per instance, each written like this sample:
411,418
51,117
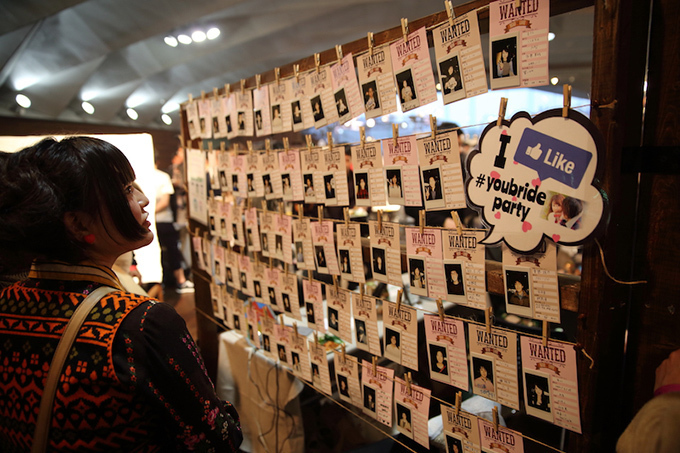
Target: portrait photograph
317,109
329,186
379,265
371,98
320,256
537,395
439,363
361,186
369,398
432,188
392,345
451,79
453,445
281,349
407,90
518,291
504,64
345,265
395,193
310,312
455,286
483,376
341,103
343,386
333,319
361,334
417,276
404,424
308,179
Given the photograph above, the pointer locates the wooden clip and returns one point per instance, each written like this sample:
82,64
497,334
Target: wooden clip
227,89
295,328
440,309
345,213
380,220
299,207
188,145
237,147
249,143
433,126
407,378
404,28
310,143
271,261
243,86
518,4
281,319
343,352
495,418
191,98
197,232
546,332
566,102
223,146
422,219
202,95
216,92
335,282
258,81
449,11
281,206
375,365
362,136
501,111
268,144
329,136
210,147
371,43
296,71
487,316
459,397
277,75
362,290
286,144
319,210
317,62
400,293
338,51
264,207
456,220
395,135
316,338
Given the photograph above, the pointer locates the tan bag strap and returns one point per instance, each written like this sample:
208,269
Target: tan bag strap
42,426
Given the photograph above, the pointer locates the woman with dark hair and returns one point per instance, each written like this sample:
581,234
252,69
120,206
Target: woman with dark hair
134,379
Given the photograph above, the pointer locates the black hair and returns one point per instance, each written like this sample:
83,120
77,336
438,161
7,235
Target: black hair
571,207
449,125
41,183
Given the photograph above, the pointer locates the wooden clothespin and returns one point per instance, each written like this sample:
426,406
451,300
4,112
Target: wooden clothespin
362,290
459,397
546,333
286,144
375,365
407,378
295,328
518,4
456,220
371,43
202,95
210,147
362,136
501,111
317,62
316,338
329,136
296,71
258,81
264,207
197,232
338,51
299,207
440,309
223,146
404,28
395,135
319,210
421,218
188,145
191,98
433,126
380,220
566,103
249,143
216,92
495,418
268,145
227,89
310,143
449,11
277,75
345,213
487,316
343,352
243,86
281,319
400,293
237,147
335,282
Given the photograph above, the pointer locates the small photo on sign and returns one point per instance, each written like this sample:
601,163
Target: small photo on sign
483,377
453,445
320,256
417,276
258,120
362,336
329,184
538,395
309,184
404,420
317,109
504,64
392,345
361,185
369,398
432,188
343,387
345,266
379,261
454,279
407,90
341,103
333,319
439,362
395,193
564,210
371,98
451,80
518,291
286,303
297,112
282,353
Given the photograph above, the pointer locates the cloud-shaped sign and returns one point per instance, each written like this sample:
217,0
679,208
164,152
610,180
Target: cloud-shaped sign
534,177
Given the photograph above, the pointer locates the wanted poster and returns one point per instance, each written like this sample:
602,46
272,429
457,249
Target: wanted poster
377,390
246,275
283,233
212,169
227,116
239,316
292,188
493,364
254,186
334,174
198,254
339,312
324,247
267,232
253,318
226,306
243,102
401,334
350,254
347,376
321,97
312,176
460,61
446,350
271,175
299,355
413,70
197,185
263,124
401,171
192,120
213,206
252,230
299,104
321,375
503,440
377,82
259,283
224,170
304,249
425,262
439,159
279,101
464,268
216,109
235,225
215,301
267,342
461,431
220,272
369,176
348,102
205,118
238,176
233,273
531,287
273,287
386,252
518,43
311,294
289,295
364,309
282,334
411,408
550,382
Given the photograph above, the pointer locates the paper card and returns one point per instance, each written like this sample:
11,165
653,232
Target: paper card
347,375
312,176
461,431
271,175
279,100
413,70
531,287
425,262
267,324
282,335
198,254
205,118
212,217
350,254
226,306
215,301
263,124
289,295
493,364
259,283
239,316
283,238
401,171
252,230
267,231
518,43
377,391
300,105
238,176
299,355
233,273
348,100
212,169
246,275
253,318
324,247
369,176
377,82
446,351
223,214
254,186
551,382
243,102
304,249
321,97
192,120
464,268
334,175
412,409
313,297
502,441
386,252
439,159
215,108
321,375
273,288
291,175
367,337
223,170
228,108
198,209
401,334
460,61
235,229
220,274
339,310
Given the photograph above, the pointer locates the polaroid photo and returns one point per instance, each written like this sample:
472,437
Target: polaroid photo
504,64
406,89
371,97
281,350
343,387
297,113
361,332
258,120
342,106
453,444
329,188
286,303
320,257
369,400
537,395
317,111
439,362
333,319
395,190
517,283
345,265
378,263
392,345
451,78
277,119
433,193
361,188
417,277
455,283
483,372
310,193
404,423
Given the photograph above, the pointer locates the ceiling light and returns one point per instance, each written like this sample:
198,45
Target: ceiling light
404,125
370,122
23,100
438,87
198,36
213,33
184,39
132,113
171,41
166,119
89,108
170,107
551,36
554,80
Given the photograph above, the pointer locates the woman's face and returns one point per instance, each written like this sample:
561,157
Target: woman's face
504,54
362,183
454,276
483,372
556,206
518,286
440,356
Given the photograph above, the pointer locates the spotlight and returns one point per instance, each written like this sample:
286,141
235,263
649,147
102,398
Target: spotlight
370,122
213,33
171,41
132,113
198,36
554,80
23,100
166,119
551,36
89,108
184,39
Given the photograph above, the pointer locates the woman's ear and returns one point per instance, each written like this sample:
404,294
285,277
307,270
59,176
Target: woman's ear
76,223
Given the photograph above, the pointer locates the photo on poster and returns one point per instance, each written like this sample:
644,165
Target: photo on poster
267,184
371,97
343,387
309,185
418,279
395,192
310,312
455,285
404,424
282,353
407,90
362,335
297,112
432,187
378,261
483,376
564,210
333,319
392,345
537,394
258,120
265,244
250,179
278,244
504,63
453,444
299,252
237,322
317,109
329,186
341,105
316,377
320,256
453,87
369,398
517,281
439,362
277,121
266,343
345,266
295,358
361,186
285,183
241,121
286,303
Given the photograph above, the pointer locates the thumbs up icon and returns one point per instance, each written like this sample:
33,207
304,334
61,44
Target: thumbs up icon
534,152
